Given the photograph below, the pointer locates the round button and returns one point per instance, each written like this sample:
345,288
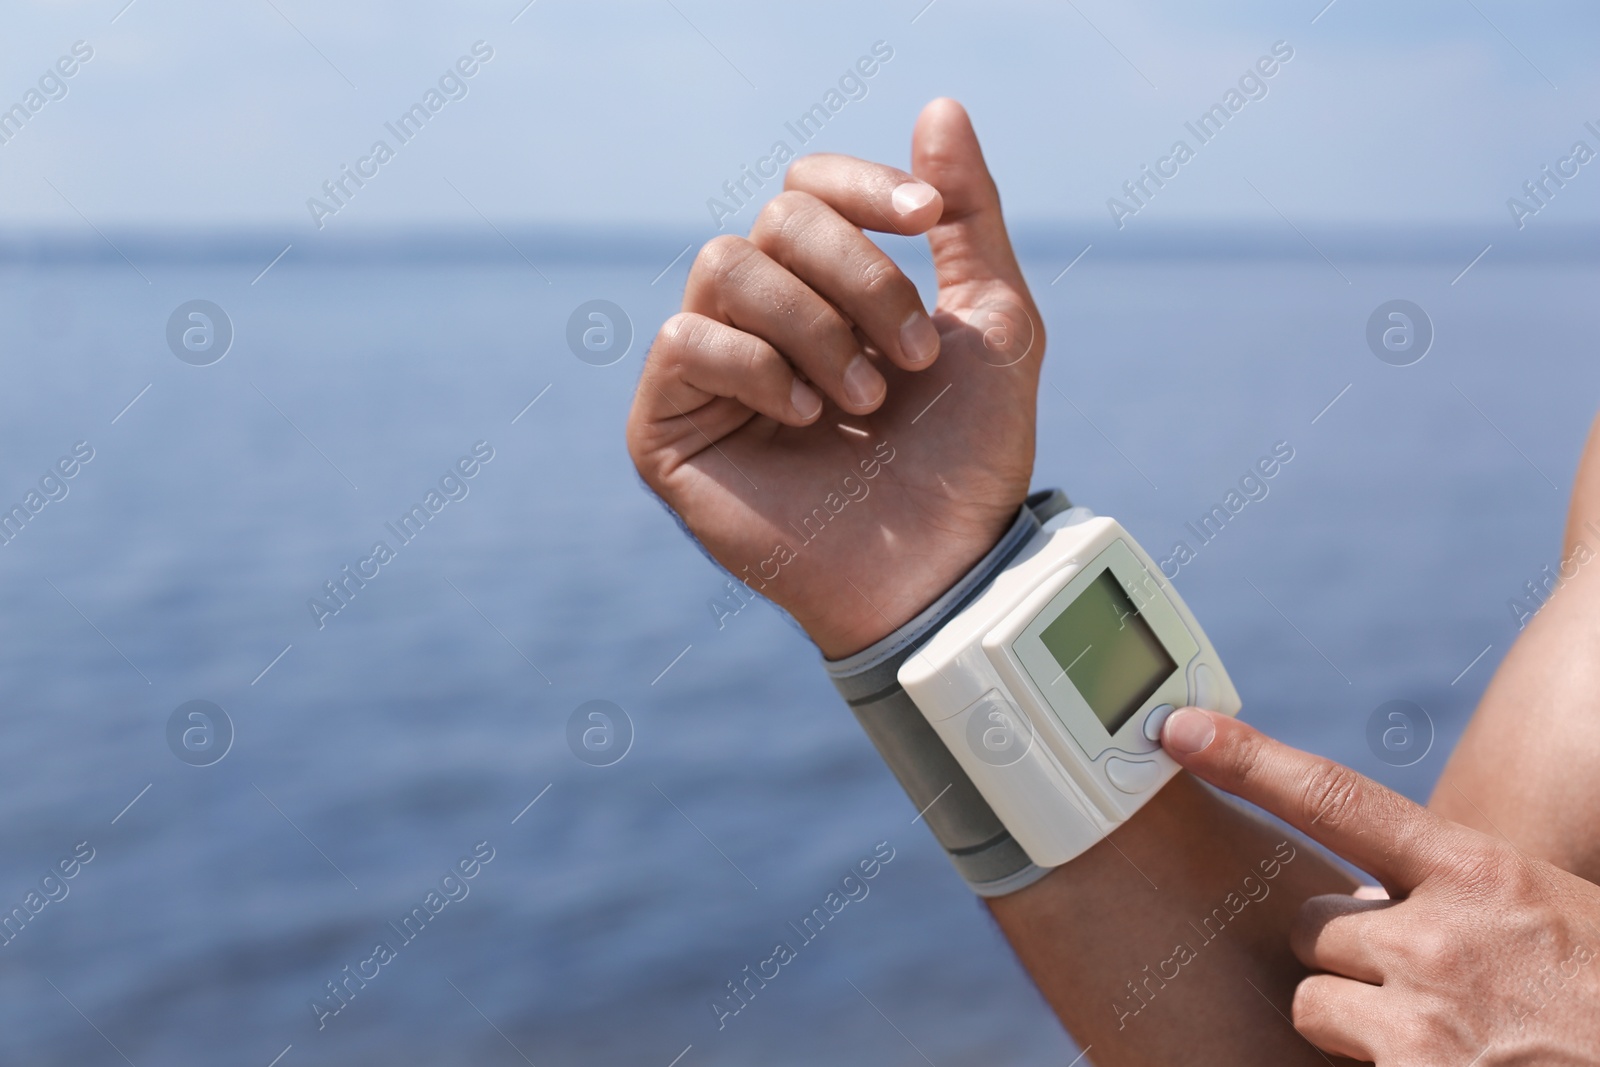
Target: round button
1153,721
1132,776
1206,689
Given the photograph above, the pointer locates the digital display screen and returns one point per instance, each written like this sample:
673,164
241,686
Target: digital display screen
1108,651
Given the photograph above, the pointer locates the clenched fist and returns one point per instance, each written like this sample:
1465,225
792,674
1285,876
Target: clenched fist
833,444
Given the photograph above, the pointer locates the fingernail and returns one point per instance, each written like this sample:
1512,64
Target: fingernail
919,338
1188,731
909,196
804,400
863,384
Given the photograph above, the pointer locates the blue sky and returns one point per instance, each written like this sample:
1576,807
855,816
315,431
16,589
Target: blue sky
193,115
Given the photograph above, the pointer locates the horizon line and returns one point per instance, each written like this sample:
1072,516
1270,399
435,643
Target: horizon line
631,243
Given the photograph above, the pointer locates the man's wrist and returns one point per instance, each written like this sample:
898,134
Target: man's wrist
979,845
869,620
896,643
865,614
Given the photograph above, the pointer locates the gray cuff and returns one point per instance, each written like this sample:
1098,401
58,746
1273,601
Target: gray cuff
982,850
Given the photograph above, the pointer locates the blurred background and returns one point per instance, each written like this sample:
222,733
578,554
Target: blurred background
348,356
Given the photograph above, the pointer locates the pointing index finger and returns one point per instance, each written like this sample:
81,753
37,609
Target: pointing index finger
1373,827
871,195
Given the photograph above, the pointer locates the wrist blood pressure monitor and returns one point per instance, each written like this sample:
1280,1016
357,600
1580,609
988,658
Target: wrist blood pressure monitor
1028,701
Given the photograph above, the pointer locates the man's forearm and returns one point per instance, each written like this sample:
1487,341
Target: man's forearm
1525,768
1169,941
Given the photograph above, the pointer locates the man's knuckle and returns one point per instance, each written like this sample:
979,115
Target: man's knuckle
879,280
1309,1008
1477,867
787,216
1435,1021
639,450
799,168
642,440
1489,871
1434,949
1333,795
1363,939
1382,940
1244,759
723,257
680,333
755,360
1519,877
831,333
685,340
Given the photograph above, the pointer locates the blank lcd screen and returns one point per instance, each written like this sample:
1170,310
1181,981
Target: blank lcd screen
1108,651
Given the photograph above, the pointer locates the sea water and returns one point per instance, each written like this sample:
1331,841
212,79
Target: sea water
376,747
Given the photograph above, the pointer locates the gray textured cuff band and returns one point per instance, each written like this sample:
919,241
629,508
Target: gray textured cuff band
983,852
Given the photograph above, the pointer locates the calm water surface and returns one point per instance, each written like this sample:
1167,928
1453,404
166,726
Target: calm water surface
429,712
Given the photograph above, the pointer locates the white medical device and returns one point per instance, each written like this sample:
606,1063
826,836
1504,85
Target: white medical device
1050,687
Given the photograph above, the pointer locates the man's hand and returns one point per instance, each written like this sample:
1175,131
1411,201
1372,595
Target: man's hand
828,442
1483,956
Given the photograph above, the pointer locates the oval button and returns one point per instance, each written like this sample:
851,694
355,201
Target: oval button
1132,776
1153,721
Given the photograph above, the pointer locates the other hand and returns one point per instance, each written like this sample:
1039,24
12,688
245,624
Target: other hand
1482,955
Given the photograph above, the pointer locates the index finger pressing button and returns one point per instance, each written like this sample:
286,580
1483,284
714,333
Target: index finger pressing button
1373,827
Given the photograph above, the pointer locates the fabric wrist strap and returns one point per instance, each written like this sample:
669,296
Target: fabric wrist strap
982,850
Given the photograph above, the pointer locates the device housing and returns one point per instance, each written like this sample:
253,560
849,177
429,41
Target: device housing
1062,774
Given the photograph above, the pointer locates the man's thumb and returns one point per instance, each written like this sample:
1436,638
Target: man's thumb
969,242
